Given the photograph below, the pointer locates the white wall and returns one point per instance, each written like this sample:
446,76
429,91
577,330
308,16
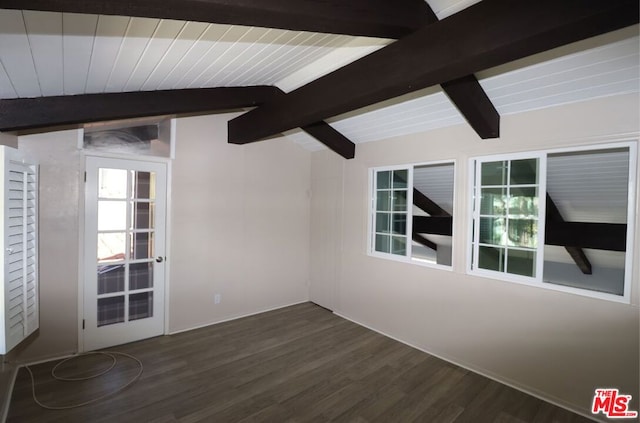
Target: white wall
240,217
240,224
556,345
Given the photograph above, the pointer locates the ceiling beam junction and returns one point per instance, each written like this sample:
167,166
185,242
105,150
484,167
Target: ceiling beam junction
487,34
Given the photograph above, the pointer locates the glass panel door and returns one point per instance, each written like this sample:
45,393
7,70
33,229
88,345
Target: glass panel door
124,287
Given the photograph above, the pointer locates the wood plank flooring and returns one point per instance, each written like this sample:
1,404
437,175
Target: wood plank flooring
297,364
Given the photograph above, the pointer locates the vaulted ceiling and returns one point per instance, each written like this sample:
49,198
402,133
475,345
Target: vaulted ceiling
58,56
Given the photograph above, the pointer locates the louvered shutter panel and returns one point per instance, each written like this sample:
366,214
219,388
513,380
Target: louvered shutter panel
20,266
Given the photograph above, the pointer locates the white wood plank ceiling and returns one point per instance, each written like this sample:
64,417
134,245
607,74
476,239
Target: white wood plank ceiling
46,54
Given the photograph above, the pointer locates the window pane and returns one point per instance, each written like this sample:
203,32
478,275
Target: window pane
110,278
112,215
491,258
523,202
399,224
493,230
140,276
384,180
522,262
494,173
112,183
384,201
140,305
400,178
493,201
523,233
383,222
111,247
142,245
399,245
524,172
110,310
399,200
383,243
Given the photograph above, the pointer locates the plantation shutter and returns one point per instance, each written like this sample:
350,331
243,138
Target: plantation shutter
20,313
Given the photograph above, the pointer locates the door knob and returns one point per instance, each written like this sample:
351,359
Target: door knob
159,259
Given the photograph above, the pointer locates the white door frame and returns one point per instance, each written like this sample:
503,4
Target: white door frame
81,233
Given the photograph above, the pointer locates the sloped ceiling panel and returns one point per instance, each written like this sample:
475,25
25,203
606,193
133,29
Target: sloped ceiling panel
603,66
47,54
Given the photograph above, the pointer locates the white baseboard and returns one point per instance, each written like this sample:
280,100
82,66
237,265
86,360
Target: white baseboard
483,372
240,316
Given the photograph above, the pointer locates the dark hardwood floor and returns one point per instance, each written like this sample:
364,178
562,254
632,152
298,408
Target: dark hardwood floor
297,364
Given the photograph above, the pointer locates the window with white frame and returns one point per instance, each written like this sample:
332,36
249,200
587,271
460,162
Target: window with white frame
560,219
411,213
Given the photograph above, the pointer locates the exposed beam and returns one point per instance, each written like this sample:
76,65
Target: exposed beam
40,112
427,205
576,253
474,104
434,225
599,236
424,241
333,139
31,113
487,34
373,18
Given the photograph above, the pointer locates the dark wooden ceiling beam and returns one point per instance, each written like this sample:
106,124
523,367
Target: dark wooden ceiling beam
598,236
487,34
424,241
427,205
372,18
40,112
33,113
576,253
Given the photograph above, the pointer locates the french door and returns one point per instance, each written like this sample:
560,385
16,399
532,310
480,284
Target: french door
125,208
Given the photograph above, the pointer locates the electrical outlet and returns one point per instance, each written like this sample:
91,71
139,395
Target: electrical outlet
217,298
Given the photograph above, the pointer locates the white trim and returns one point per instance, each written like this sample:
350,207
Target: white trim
81,246
482,372
372,207
240,316
167,248
538,281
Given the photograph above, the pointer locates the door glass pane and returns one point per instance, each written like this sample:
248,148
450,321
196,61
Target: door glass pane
144,185
112,215
110,310
111,247
142,245
140,305
112,183
494,173
143,215
140,276
110,278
